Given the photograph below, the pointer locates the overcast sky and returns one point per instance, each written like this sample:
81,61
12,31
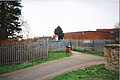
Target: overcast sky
44,16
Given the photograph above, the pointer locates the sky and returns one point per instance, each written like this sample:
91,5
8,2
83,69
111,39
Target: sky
43,16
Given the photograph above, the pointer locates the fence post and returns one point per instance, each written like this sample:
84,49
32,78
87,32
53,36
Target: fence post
47,47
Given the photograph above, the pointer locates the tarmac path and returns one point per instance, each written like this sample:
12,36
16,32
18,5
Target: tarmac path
55,67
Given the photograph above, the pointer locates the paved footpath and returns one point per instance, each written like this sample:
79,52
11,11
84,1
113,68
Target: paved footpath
55,67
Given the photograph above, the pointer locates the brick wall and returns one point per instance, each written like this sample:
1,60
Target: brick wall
105,30
89,35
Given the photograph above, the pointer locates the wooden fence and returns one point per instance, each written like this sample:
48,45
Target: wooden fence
97,45
54,45
38,49
10,54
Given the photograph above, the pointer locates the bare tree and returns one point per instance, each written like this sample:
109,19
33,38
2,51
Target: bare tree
116,33
25,27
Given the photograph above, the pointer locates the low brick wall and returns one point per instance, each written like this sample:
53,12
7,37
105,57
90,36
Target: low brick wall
112,57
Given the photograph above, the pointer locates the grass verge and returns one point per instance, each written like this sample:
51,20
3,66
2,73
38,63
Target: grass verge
51,56
93,52
96,72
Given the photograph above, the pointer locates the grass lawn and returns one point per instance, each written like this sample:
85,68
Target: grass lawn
14,67
96,72
93,52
